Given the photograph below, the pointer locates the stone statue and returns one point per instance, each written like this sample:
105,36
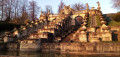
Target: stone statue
98,4
41,12
48,11
67,9
87,6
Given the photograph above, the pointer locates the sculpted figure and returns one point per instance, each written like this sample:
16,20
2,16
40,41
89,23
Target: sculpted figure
41,12
48,11
98,4
87,6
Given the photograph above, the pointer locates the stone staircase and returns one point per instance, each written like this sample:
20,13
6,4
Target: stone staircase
67,38
74,35
25,31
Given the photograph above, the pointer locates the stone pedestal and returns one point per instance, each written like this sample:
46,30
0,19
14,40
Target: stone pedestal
92,29
83,37
94,37
106,36
73,36
94,40
87,10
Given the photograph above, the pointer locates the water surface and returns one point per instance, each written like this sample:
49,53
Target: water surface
50,54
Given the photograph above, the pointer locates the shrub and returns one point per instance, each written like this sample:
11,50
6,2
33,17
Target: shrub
4,26
114,23
116,17
98,21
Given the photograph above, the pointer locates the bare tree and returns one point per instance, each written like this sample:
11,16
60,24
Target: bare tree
34,9
78,6
24,12
8,8
19,9
24,6
16,8
61,6
116,3
2,4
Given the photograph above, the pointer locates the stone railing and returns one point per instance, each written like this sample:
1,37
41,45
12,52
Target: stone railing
82,47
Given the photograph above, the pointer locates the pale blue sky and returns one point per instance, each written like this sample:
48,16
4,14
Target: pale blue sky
106,5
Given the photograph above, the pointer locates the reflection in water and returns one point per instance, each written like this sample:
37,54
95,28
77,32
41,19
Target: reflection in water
49,54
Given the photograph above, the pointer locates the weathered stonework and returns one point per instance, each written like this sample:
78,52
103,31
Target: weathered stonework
83,37
57,27
106,37
82,47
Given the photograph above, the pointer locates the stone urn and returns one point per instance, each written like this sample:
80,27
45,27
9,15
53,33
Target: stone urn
103,22
101,19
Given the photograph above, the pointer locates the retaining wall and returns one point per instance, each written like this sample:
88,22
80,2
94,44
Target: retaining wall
82,47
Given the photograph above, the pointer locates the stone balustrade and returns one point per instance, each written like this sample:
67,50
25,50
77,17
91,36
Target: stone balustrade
82,47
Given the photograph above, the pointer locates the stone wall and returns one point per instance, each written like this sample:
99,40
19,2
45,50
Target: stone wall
68,47
29,47
12,46
20,47
82,47
2,46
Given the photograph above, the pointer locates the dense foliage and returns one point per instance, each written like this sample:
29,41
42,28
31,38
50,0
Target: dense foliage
113,19
4,26
98,20
17,11
88,21
116,17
